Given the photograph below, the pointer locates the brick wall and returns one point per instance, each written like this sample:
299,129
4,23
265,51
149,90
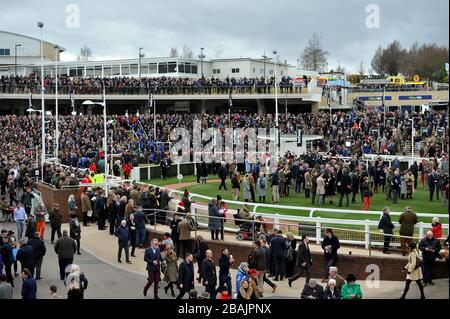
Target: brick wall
389,267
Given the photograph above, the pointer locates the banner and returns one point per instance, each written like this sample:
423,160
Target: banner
299,137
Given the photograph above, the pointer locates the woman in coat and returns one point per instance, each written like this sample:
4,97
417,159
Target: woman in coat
75,230
291,257
331,187
72,204
403,187
320,190
171,272
247,189
261,188
214,221
413,270
366,194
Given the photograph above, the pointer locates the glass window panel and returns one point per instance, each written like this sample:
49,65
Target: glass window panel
181,67
171,67
115,70
152,68
125,69
162,67
144,69
134,69
72,71
194,69
89,71
107,71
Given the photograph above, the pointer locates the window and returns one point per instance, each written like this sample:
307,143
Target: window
194,69
107,70
98,70
181,67
216,71
125,69
115,70
62,70
72,72
235,70
144,68
5,52
89,71
187,67
152,68
134,69
171,67
162,67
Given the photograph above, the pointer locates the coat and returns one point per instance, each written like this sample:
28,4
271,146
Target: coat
55,218
29,289
85,203
26,257
407,220
171,271
320,186
335,245
258,259
304,255
186,276
65,247
260,190
123,235
413,273
433,244
38,245
316,292
6,291
332,295
150,256
247,189
278,247
308,180
214,223
348,290
209,272
75,229
184,228
386,224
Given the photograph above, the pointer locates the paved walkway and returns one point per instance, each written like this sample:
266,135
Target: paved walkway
110,280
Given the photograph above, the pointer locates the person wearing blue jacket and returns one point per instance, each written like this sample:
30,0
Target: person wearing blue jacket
29,288
152,257
124,236
242,273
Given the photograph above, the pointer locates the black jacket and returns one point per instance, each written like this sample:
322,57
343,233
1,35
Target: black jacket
200,250
345,184
174,229
316,292
224,265
38,245
55,218
258,259
186,276
75,230
223,172
304,255
209,272
278,248
386,224
336,294
335,245
432,243
26,257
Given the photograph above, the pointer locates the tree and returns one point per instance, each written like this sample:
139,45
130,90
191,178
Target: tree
314,57
85,53
187,52
377,61
392,58
174,52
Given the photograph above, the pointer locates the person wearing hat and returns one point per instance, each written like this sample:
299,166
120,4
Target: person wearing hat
436,227
413,270
312,290
351,290
407,220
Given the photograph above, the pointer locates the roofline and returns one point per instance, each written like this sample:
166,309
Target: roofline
61,49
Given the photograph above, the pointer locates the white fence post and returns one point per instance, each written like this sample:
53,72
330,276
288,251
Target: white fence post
277,221
421,229
366,235
148,173
318,233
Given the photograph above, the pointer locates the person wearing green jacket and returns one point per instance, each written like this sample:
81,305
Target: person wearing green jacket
351,290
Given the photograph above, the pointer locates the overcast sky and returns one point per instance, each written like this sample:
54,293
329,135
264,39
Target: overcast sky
117,28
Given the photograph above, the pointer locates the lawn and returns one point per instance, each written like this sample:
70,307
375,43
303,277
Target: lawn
419,204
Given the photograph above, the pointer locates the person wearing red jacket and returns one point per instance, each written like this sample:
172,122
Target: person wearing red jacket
436,228
93,167
127,170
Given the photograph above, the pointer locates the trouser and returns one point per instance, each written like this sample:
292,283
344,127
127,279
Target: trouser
321,199
328,263
366,202
404,243
112,225
260,278
133,244
428,268
198,179
12,199
225,280
85,219
182,293
313,197
268,281
275,193
341,198
38,266
140,236
222,184
56,230
298,186
9,276
63,263
408,283
354,196
394,196
77,239
387,243
415,181
101,221
300,273
153,278
279,268
432,193
235,193
199,270
307,193
40,228
252,193
388,193
215,234
211,289
262,199
20,227
185,247
125,247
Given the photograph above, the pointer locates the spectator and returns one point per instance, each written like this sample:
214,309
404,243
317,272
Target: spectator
153,259
201,246
225,262
278,251
330,246
430,247
407,220
184,228
186,276
76,283
65,248
55,218
39,212
414,271
241,274
29,288
386,226
19,218
39,251
26,257
436,228
351,289
75,231
304,261
171,271
6,290
312,290
245,290
54,292
331,292
123,235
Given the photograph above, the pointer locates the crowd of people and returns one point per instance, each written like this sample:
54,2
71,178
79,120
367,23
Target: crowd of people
134,85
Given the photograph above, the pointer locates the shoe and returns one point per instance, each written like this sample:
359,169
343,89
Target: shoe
78,253
119,261
166,289
274,288
156,297
133,255
431,283
39,278
290,283
275,279
128,262
145,292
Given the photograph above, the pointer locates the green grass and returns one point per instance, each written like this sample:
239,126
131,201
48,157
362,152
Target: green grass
419,203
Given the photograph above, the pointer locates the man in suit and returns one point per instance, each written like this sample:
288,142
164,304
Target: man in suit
153,258
278,251
304,261
186,276
345,187
209,274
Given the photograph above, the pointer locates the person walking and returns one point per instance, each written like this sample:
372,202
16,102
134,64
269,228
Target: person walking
29,288
141,230
304,261
345,187
171,269
39,251
199,253
123,236
258,262
65,247
386,226
132,226
235,186
225,262
268,262
278,250
209,274
55,219
72,205
20,217
76,283
223,176
186,276
430,247
214,222
8,259
330,246
152,257
407,221
413,270
184,228
39,213
25,256
113,212
75,231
